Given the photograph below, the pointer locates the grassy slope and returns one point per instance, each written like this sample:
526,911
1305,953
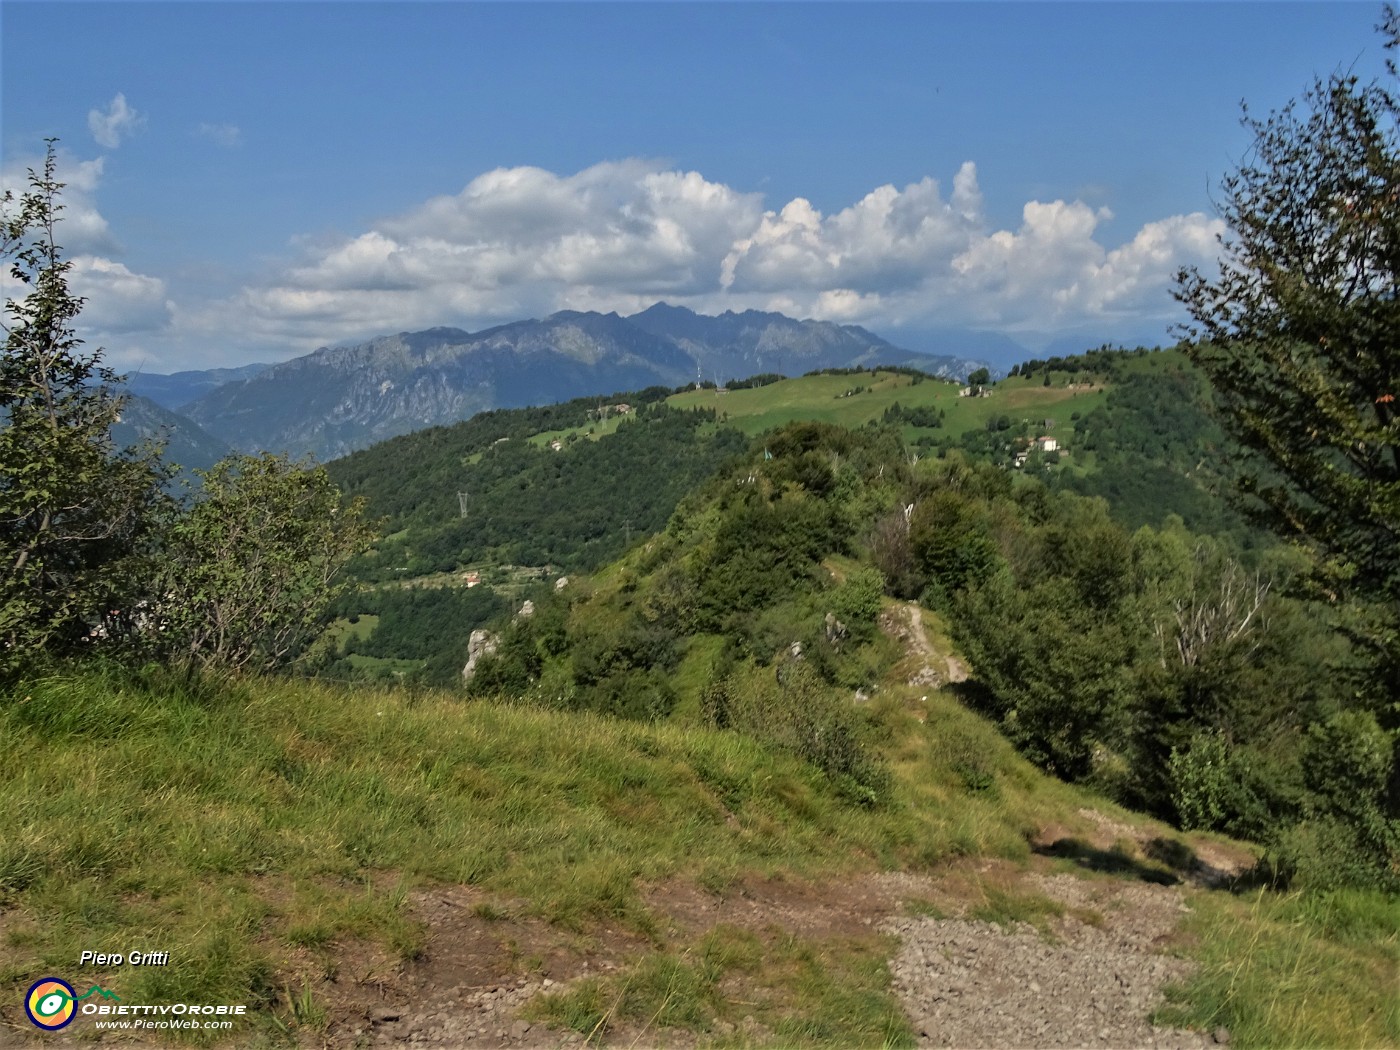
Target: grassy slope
238,825
822,398
242,826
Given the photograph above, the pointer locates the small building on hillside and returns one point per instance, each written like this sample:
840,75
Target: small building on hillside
1046,444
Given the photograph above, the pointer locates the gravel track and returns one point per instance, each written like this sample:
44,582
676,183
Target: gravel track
975,984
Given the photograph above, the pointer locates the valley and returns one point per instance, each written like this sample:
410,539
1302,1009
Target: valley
664,526
767,768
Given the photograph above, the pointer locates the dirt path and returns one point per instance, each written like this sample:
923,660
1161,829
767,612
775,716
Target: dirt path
928,667
1088,977
1088,974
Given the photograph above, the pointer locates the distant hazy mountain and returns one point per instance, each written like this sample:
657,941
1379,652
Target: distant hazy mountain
965,344
732,346
339,399
178,389
185,442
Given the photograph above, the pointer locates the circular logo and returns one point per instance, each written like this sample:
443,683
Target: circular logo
50,1003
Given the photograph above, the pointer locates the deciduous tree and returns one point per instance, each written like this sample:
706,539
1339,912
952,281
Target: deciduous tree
1300,331
1300,336
252,567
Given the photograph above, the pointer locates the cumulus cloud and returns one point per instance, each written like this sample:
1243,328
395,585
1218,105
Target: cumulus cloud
621,235
226,135
118,121
81,227
519,242
1055,274
118,300
890,240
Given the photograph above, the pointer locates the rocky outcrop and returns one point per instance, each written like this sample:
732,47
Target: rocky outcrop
836,631
481,643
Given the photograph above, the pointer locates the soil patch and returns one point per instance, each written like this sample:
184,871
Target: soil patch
482,962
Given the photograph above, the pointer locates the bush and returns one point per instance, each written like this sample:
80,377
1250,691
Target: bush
856,602
252,568
1201,782
820,726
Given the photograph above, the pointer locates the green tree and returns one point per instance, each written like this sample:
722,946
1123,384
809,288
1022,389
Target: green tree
77,518
1300,336
1300,332
252,567
856,601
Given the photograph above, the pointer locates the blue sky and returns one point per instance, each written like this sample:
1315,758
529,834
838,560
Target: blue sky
250,181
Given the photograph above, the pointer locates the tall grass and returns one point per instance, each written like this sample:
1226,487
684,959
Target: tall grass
1296,970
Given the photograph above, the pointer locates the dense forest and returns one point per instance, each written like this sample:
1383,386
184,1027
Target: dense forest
1157,450
427,625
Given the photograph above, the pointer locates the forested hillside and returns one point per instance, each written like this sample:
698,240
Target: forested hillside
565,487
1159,665
1156,450
525,504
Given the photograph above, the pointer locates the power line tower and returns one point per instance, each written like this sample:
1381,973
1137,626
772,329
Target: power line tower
462,504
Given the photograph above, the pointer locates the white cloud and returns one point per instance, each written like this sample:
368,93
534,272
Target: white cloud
118,300
226,135
120,120
81,227
620,235
518,242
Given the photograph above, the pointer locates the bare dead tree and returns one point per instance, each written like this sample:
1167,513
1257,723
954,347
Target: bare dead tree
1224,605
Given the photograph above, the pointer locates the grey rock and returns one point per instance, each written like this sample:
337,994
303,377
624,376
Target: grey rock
481,643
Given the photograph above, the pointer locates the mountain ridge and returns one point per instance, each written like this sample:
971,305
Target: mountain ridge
338,399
